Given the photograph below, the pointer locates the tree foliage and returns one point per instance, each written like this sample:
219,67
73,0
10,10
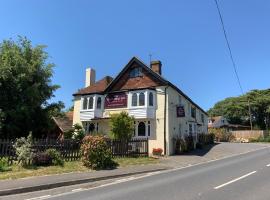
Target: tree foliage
236,109
122,126
25,88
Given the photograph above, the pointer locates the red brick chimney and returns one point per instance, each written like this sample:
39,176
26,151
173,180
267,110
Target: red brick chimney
156,66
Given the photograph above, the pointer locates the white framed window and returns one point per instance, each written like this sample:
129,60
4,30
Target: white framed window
142,129
134,100
141,99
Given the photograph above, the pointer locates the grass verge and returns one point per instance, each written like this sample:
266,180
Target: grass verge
17,172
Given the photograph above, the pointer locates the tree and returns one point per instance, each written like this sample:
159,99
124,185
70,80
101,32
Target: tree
236,109
122,126
25,88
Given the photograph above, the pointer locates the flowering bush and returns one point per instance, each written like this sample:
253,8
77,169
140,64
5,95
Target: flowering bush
157,151
96,153
23,148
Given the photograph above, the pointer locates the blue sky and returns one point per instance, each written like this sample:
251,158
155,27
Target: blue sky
184,34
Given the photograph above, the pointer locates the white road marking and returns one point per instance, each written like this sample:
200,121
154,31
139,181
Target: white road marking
78,190
268,165
41,197
234,180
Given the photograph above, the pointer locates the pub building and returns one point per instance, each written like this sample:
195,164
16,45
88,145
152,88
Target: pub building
161,110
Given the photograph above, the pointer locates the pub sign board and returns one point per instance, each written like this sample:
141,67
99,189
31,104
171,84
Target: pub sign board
180,111
116,100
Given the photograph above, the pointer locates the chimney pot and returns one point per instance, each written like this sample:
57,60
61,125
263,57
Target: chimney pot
90,77
156,66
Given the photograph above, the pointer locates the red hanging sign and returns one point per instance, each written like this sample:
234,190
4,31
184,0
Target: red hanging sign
117,100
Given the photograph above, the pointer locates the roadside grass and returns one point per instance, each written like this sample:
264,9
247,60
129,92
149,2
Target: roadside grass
125,162
17,171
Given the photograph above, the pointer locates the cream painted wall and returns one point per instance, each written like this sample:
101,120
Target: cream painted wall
178,127
175,127
77,108
157,140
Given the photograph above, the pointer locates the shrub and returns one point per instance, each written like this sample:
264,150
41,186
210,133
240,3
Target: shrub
96,153
206,139
55,156
4,165
23,148
42,159
221,135
122,126
189,142
76,133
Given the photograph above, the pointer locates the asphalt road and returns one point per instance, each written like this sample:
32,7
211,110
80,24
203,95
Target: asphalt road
243,177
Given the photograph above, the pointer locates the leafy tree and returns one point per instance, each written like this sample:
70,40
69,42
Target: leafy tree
122,126
236,109
25,88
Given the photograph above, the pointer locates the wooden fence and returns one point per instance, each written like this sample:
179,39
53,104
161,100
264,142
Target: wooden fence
248,134
132,148
70,149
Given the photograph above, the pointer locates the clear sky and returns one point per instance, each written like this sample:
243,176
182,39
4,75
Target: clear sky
184,34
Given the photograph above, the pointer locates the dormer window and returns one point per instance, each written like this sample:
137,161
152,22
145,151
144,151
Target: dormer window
135,72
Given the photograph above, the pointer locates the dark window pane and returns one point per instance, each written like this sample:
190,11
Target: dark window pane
91,128
99,103
90,103
141,99
84,103
134,100
151,99
141,129
136,72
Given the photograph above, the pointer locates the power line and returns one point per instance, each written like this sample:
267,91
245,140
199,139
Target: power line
229,47
233,62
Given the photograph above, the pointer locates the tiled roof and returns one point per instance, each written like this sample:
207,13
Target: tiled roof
98,87
65,122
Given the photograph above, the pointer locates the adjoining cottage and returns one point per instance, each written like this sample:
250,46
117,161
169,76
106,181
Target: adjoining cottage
222,122
161,110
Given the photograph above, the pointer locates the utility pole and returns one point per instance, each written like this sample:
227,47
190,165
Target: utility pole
250,115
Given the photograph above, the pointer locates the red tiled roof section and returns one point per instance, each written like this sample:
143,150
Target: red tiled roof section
98,87
64,122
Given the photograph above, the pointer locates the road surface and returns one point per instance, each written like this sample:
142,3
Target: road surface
243,177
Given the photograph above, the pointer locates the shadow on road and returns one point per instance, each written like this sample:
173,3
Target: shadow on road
199,152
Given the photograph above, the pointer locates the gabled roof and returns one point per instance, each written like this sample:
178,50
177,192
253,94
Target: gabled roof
98,87
155,75
141,64
64,123
107,83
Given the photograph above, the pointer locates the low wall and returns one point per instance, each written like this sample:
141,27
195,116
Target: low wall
247,134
